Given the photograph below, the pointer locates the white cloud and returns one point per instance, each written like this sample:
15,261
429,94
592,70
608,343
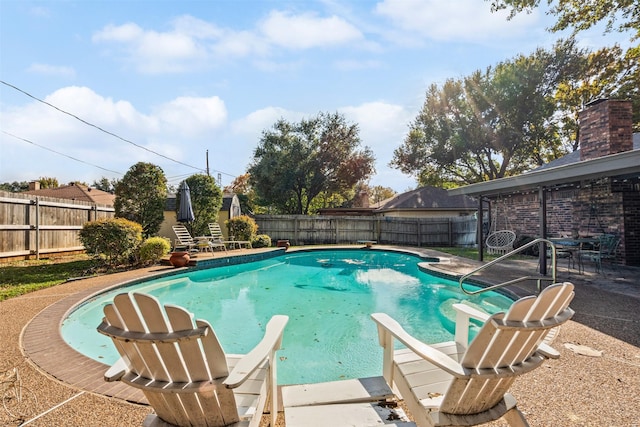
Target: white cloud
118,33
192,116
52,70
155,52
459,20
307,30
179,129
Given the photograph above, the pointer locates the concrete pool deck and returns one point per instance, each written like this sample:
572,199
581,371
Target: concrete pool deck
575,390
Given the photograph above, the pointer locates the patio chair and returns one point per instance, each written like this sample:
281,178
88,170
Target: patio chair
216,238
216,232
500,242
605,250
460,383
184,239
182,369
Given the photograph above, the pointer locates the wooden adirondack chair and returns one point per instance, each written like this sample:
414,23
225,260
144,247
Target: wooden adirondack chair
182,369
461,384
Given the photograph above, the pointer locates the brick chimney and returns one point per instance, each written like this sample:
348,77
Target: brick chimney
606,127
34,185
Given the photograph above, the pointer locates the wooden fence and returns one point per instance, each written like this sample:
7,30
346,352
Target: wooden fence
308,230
33,226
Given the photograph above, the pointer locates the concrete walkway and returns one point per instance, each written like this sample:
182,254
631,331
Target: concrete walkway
576,390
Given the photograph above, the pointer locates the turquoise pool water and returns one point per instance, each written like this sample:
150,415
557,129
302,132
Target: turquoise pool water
328,296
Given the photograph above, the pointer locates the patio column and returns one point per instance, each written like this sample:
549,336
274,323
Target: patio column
542,195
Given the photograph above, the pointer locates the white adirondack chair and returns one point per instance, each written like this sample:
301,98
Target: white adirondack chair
182,368
463,384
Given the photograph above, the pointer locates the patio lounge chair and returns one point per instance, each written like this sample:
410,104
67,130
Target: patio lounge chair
184,239
216,233
182,369
460,383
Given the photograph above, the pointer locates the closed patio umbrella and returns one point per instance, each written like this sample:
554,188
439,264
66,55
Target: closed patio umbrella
185,210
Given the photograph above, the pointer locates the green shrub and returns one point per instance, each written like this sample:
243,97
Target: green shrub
153,249
261,241
115,240
242,227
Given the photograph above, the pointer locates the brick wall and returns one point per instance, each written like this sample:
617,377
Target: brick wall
590,208
606,127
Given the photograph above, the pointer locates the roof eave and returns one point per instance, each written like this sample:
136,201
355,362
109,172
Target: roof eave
619,164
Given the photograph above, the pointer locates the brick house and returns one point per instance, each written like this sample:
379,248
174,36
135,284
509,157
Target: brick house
591,191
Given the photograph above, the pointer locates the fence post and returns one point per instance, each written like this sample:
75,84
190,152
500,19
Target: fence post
37,228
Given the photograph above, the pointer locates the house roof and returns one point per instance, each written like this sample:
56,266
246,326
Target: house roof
75,191
561,171
427,198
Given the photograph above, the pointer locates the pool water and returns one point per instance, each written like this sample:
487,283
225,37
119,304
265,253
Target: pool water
328,296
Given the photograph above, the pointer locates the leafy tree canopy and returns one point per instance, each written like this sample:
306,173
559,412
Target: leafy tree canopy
582,15
491,124
206,201
300,167
105,184
48,182
141,196
15,186
620,77
246,195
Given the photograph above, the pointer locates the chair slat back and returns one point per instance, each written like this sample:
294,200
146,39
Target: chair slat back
183,235
189,362
216,231
504,348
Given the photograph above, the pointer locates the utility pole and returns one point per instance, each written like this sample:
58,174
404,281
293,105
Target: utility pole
208,163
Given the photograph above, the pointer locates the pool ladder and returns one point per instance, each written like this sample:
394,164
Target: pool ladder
538,278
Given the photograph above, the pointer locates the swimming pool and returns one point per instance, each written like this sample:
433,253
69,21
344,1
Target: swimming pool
327,294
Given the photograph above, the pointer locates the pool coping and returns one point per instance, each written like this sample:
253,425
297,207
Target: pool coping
42,344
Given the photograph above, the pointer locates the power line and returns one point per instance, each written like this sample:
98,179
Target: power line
61,154
96,127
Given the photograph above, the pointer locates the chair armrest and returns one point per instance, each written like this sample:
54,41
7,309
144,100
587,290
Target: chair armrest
388,325
471,312
116,371
549,352
271,342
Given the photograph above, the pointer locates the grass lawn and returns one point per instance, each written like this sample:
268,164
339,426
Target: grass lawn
18,278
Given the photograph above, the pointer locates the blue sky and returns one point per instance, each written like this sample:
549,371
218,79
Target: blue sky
178,78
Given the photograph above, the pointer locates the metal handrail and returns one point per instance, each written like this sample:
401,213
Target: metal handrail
521,279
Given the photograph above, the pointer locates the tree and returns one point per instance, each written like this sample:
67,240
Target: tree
246,195
141,196
379,193
206,201
48,182
621,70
582,15
490,124
15,186
105,184
296,163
